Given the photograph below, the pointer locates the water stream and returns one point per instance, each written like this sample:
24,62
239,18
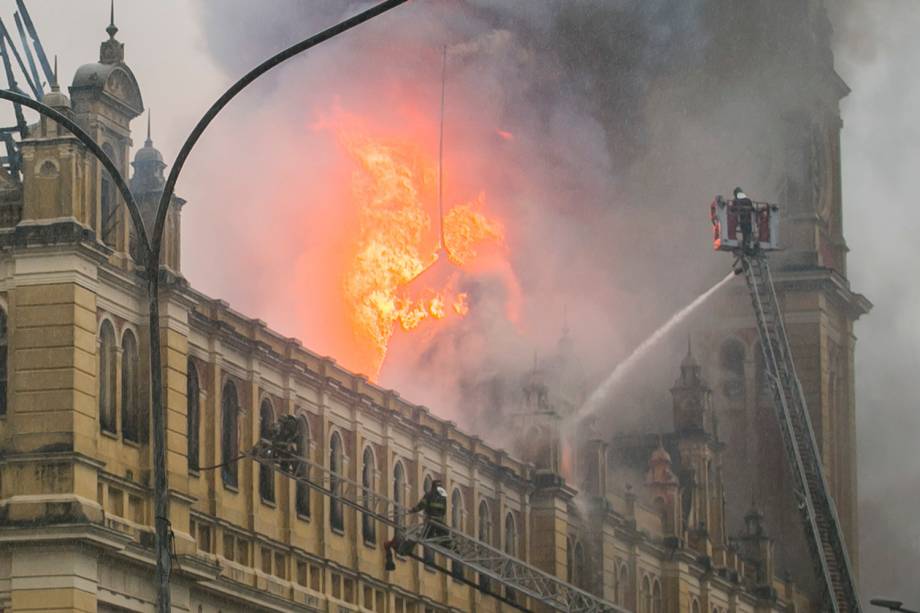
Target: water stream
612,382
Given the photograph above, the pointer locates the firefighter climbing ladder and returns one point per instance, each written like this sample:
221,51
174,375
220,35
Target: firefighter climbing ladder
493,566
822,526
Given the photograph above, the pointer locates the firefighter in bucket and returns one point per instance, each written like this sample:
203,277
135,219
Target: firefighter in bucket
434,505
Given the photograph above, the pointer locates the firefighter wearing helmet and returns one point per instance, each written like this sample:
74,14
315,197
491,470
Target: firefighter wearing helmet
744,206
434,505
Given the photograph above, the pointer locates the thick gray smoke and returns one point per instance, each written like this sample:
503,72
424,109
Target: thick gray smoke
627,116
876,52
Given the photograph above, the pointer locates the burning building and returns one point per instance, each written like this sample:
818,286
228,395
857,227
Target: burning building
653,520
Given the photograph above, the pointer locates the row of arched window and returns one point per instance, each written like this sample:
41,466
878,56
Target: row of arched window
129,405
230,452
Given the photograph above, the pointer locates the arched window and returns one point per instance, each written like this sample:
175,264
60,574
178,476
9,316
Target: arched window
266,474
427,552
336,508
656,597
731,358
3,373
456,522
694,606
645,596
511,548
368,526
132,422
108,209
580,579
623,586
399,490
511,537
569,560
192,415
302,493
484,535
229,434
107,377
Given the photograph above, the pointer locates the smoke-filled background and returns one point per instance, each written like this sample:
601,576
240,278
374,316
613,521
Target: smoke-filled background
591,133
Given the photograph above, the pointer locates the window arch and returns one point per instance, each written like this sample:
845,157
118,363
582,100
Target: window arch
694,606
456,509
456,523
427,552
107,377
132,422
192,414
731,359
645,596
229,434
399,490
569,560
484,534
368,525
656,597
4,343
511,537
336,460
623,585
302,493
266,474
580,568
108,201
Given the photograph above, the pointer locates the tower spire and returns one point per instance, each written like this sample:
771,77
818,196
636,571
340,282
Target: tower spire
149,141
441,150
112,30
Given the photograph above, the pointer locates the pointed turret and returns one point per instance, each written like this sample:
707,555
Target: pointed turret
691,397
148,167
111,51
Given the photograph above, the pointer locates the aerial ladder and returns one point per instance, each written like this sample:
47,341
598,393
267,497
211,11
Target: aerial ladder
501,575
749,230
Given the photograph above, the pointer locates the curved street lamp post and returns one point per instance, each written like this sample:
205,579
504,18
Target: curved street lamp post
150,253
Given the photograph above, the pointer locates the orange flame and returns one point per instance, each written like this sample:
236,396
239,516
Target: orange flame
391,277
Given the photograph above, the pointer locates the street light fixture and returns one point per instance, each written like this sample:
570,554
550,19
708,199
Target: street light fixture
894,605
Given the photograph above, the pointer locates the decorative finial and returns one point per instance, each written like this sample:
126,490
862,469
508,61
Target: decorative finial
112,29
689,345
149,141
54,83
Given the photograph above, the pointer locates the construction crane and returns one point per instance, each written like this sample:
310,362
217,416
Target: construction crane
500,575
30,47
757,223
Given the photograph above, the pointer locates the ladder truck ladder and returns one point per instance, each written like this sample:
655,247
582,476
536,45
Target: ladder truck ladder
822,526
464,552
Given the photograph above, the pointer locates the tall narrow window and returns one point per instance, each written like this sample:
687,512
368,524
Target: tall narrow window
732,358
511,537
645,596
399,491
303,451
578,559
229,437
193,415
336,508
456,523
484,535
108,201
107,377
623,586
427,552
131,425
3,373
656,597
266,474
511,548
368,526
